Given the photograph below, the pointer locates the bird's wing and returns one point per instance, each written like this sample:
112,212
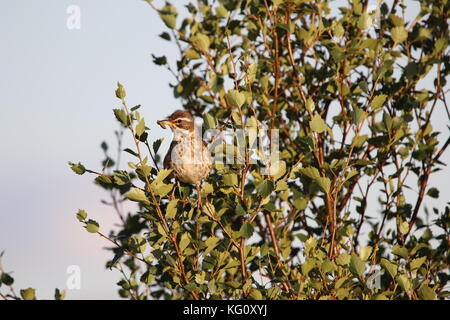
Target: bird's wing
167,159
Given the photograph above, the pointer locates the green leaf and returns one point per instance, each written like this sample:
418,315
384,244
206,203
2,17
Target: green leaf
301,203
158,185
135,107
277,169
157,144
317,124
399,34
404,227
351,174
81,215
211,243
137,195
28,294
272,293
128,150
212,287
433,192
221,12
308,266
165,36
338,30
417,263
310,106
427,234
411,70
192,54
121,116
264,250
200,277
121,178
171,210
247,230
137,243
426,293
168,14
281,185
337,54
143,170
235,98
312,173
163,174
264,188
378,101
161,229
60,294
419,247
210,121
440,44
236,118
120,91
140,128
184,242
343,259
328,266
365,253
365,21
310,244
147,278
159,61
92,226
387,120
358,141
358,115
162,189
251,73
103,180
396,20
324,184
200,42
77,168
390,267
119,254
400,251
357,266
404,282
6,279
240,211
255,294
190,287
230,180
207,188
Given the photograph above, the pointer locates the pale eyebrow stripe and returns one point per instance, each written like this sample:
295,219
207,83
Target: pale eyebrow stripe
183,119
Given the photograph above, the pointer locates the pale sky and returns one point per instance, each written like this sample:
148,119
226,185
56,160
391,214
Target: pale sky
57,88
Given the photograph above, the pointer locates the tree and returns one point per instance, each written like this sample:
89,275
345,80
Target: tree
347,95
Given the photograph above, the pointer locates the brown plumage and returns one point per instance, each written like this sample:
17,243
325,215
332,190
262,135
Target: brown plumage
188,155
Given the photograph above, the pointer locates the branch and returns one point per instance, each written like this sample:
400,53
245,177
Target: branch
423,186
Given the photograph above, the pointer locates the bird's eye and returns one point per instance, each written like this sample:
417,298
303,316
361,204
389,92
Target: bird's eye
178,121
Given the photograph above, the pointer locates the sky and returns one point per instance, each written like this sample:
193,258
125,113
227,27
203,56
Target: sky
57,94
57,86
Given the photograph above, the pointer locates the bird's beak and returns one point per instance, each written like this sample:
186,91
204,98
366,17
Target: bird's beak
164,123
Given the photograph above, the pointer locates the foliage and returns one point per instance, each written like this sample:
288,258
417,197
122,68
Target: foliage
347,92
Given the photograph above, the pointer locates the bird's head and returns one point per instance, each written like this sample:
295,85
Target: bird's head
181,123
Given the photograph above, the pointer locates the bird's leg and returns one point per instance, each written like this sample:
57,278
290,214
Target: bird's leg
199,197
172,195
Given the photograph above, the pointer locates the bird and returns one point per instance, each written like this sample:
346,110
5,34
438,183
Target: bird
188,155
